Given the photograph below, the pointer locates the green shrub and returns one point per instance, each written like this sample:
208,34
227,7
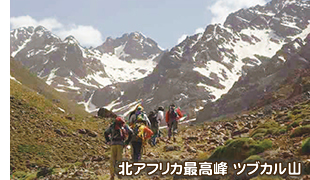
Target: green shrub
45,171
282,131
305,146
260,131
293,124
259,135
20,174
299,131
24,175
240,149
269,127
265,177
253,159
37,149
260,147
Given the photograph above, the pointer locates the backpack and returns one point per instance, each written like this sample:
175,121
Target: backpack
136,131
132,113
173,114
118,134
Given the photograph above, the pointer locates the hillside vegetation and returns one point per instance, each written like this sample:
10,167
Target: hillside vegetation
52,138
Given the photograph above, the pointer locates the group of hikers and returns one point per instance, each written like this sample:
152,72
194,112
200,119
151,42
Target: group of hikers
139,130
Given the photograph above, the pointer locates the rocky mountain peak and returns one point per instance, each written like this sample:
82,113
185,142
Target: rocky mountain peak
286,17
130,46
40,28
70,40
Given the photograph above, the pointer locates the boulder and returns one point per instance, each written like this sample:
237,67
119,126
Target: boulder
287,154
260,114
225,138
193,138
212,148
58,131
150,154
249,125
244,130
307,166
91,133
70,118
191,149
82,131
104,113
305,122
171,148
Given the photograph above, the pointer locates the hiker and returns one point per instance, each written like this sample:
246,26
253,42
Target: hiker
115,136
138,111
141,134
152,117
135,112
172,117
155,120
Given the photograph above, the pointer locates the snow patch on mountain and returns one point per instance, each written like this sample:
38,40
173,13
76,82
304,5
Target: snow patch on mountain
119,51
303,34
256,44
89,107
51,76
112,104
122,71
14,79
261,42
49,49
13,54
125,110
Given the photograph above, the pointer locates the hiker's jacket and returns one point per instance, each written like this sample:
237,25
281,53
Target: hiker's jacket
117,137
170,118
160,116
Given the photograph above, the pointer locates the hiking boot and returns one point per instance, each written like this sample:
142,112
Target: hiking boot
174,139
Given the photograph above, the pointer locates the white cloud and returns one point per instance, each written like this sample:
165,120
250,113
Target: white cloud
182,38
86,35
222,8
199,30
22,21
50,23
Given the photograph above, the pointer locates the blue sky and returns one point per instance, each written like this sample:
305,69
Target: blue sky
91,22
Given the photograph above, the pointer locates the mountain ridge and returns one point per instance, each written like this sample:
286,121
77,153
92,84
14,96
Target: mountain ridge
198,70
73,69
206,65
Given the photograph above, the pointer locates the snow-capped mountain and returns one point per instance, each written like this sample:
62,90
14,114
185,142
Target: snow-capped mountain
125,71
270,84
130,46
206,65
69,67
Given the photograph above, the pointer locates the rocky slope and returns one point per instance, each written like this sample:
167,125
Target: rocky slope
127,70
282,77
77,149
